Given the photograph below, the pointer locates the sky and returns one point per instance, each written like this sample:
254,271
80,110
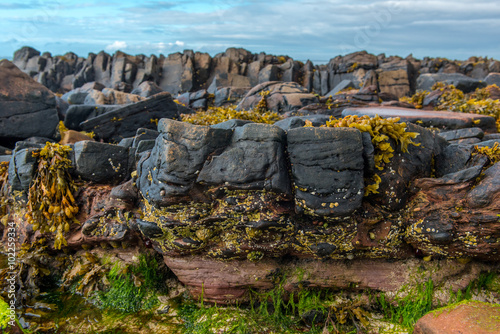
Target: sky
302,29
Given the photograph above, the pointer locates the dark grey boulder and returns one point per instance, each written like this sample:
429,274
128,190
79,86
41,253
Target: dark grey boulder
145,145
491,136
462,134
22,166
327,169
127,142
255,159
169,172
403,168
493,79
124,122
463,175
465,141
452,159
27,107
77,114
144,134
100,162
460,81
489,143
487,189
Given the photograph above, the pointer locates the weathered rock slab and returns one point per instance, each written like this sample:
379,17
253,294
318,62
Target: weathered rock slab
228,282
327,169
124,122
100,162
180,151
27,108
460,81
255,159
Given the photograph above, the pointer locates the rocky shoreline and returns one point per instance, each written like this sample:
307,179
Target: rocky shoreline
373,173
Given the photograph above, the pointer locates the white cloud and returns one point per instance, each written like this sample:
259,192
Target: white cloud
177,43
116,45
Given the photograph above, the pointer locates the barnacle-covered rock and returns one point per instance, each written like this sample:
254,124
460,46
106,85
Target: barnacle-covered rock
100,162
255,159
181,149
327,169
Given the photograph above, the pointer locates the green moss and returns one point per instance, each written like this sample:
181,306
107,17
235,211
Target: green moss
133,288
407,310
276,311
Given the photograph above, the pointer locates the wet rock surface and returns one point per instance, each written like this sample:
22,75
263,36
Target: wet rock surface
327,167
234,205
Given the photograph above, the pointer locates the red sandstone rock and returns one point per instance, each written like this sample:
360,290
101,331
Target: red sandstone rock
228,281
470,317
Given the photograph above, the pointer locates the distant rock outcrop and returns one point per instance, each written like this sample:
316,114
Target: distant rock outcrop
27,108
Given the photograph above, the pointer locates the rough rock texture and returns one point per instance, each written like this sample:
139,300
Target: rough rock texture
22,166
192,71
460,81
327,167
282,96
77,114
470,317
100,162
27,108
124,122
455,216
226,282
242,205
179,154
255,159
397,77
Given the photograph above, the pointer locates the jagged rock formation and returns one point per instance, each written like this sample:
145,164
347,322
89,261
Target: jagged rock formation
241,70
262,198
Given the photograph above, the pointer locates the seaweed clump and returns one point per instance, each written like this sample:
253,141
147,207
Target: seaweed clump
4,194
51,205
215,115
492,153
453,99
381,131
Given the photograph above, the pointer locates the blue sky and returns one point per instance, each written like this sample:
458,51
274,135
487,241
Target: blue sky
303,29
